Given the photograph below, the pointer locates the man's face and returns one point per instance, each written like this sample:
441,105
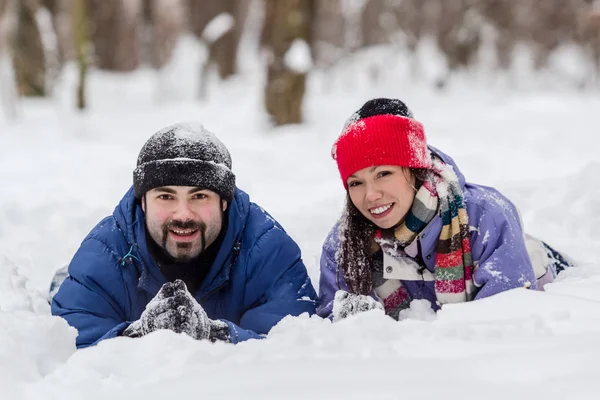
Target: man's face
183,220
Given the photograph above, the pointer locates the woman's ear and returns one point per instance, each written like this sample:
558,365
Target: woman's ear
410,177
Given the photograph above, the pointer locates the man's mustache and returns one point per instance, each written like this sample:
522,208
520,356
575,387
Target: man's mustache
184,225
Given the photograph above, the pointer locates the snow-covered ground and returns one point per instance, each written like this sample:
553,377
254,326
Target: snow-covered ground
61,172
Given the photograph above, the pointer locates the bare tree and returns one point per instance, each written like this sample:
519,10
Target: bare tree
503,16
224,51
328,32
114,27
548,24
589,29
164,20
61,13
222,41
458,34
372,31
8,91
414,18
287,33
29,58
80,29
408,22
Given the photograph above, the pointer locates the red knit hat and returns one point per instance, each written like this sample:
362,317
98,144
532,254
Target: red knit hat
382,132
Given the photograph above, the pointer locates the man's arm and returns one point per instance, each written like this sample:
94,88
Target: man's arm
93,298
278,285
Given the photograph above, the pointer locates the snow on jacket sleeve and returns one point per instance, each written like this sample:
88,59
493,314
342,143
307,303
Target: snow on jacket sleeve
498,247
92,298
328,282
278,286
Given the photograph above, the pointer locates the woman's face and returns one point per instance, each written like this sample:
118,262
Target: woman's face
383,194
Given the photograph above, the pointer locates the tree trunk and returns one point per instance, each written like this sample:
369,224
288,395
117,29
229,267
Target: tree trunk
591,43
285,22
114,32
164,21
8,90
223,50
328,32
80,30
371,28
62,21
29,59
458,35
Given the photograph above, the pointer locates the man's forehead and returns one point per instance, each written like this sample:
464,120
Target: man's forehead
180,189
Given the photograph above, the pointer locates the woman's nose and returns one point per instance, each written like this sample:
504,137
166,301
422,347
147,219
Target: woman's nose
373,193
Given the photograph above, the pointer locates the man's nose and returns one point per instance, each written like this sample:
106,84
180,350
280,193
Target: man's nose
183,212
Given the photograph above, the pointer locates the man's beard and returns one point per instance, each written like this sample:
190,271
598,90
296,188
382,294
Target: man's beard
184,225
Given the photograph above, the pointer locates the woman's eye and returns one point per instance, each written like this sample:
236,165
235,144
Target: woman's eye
383,173
353,184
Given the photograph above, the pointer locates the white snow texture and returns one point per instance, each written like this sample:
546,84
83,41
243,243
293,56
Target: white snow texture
62,172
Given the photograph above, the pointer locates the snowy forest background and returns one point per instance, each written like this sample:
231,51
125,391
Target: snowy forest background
509,88
39,37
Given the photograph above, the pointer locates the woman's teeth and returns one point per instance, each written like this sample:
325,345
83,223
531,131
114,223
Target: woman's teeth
380,210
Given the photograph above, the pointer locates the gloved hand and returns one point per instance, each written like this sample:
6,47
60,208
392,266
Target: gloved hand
346,304
174,308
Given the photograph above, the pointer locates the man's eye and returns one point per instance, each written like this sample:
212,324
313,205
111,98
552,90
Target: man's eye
165,197
200,196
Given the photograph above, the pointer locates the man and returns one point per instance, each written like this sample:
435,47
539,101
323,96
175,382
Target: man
184,250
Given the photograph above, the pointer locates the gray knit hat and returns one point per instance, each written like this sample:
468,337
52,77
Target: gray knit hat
184,154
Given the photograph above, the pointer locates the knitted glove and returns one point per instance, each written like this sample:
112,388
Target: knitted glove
175,309
346,304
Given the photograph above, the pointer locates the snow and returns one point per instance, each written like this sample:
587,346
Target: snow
183,135
217,27
62,172
298,58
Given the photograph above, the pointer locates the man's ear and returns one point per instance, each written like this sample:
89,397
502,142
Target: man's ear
144,202
224,205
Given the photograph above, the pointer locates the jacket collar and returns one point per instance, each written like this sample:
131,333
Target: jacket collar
130,218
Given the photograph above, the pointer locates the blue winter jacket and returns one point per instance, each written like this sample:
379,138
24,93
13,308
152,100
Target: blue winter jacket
257,278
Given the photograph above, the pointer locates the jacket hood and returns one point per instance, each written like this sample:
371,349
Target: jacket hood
130,219
449,161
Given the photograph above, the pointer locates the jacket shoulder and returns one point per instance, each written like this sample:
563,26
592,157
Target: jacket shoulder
259,222
485,202
97,262
101,250
108,232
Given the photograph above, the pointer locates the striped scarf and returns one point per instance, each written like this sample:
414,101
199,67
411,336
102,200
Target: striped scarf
441,193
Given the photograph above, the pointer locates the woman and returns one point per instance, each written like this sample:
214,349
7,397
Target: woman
414,229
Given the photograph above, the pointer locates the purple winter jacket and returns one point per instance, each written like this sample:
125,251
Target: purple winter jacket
498,247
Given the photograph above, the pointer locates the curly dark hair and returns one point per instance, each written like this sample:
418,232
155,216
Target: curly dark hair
356,235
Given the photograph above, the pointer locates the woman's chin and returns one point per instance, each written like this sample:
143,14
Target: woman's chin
383,224
388,223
